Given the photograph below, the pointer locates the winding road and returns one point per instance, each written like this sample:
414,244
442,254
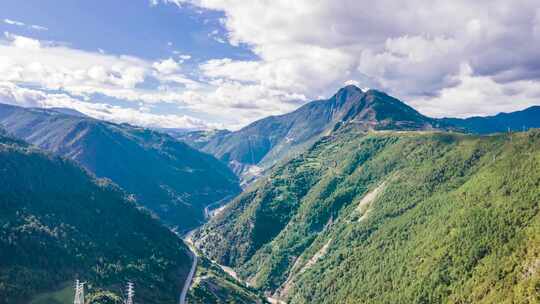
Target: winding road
189,278
187,240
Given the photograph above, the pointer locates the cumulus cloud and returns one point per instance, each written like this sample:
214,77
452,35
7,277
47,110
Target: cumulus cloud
412,49
479,95
446,58
81,77
14,94
22,42
167,67
30,61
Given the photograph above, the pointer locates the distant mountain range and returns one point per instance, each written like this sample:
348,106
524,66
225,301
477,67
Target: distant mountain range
258,146
58,223
167,176
503,122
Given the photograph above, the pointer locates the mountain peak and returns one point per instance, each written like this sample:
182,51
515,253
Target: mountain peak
375,110
348,94
271,139
351,88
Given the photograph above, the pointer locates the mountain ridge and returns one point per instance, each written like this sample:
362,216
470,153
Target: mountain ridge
265,142
431,207
168,177
502,122
59,223
255,148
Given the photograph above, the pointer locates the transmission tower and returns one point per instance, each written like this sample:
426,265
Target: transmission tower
130,293
79,293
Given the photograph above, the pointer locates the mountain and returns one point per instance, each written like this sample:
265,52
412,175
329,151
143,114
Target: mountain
390,217
168,177
515,121
57,223
200,138
263,143
68,111
256,147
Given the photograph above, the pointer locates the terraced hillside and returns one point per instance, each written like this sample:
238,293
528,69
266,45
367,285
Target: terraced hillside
391,217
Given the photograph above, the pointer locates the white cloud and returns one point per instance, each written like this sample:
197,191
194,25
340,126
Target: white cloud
183,57
167,67
444,57
168,71
81,77
30,26
413,50
479,95
215,35
38,27
22,42
352,82
13,22
175,2
27,60
17,95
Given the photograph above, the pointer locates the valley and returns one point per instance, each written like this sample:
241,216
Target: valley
170,179
269,152
309,221
373,201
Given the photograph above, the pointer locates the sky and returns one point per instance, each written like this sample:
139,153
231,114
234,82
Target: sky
202,64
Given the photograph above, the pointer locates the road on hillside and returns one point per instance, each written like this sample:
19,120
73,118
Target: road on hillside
220,203
189,278
187,240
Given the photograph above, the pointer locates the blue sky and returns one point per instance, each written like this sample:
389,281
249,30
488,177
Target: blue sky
124,27
226,63
140,29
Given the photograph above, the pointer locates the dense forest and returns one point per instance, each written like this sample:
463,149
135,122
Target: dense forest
59,224
391,217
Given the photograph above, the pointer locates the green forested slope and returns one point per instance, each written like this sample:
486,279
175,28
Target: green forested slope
173,180
392,217
272,139
58,224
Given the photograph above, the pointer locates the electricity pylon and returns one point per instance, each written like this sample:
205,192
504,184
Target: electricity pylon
79,293
130,293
